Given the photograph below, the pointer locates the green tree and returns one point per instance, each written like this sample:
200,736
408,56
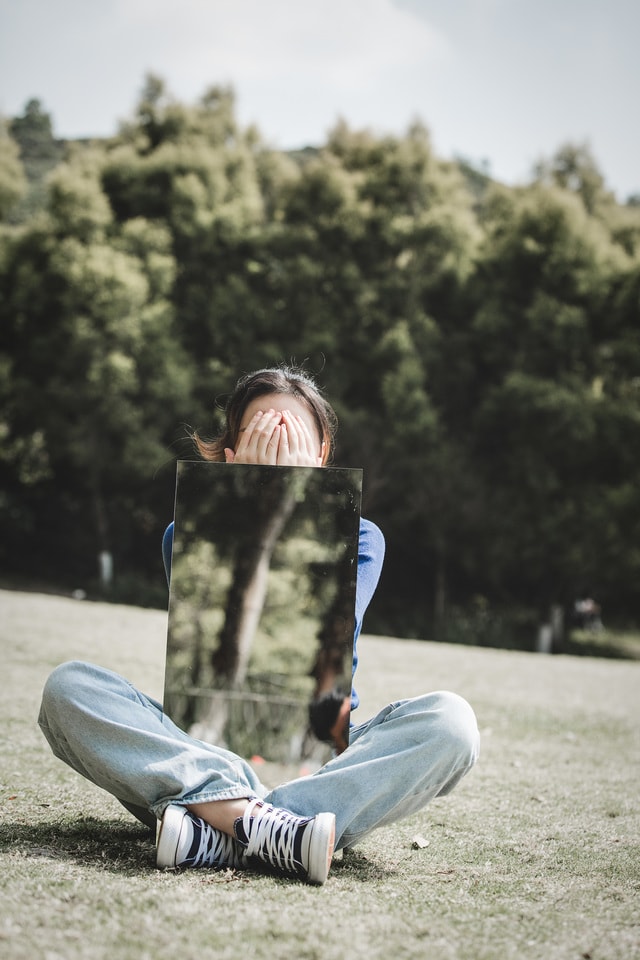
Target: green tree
40,153
93,376
33,132
194,171
540,334
574,168
480,344
13,183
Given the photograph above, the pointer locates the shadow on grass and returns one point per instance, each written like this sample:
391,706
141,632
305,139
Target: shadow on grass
356,866
129,849
109,844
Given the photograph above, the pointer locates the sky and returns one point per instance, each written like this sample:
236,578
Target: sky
501,83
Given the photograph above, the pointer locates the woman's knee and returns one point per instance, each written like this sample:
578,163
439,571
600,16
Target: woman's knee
460,725
65,677
63,688
449,721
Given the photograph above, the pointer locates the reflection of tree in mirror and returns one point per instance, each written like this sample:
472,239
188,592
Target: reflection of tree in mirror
270,511
262,595
195,617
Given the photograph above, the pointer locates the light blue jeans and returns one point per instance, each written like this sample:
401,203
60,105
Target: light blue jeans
412,751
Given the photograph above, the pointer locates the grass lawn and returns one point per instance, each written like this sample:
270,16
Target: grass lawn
535,855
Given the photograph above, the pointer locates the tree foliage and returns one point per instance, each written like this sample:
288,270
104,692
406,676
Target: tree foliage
13,183
480,344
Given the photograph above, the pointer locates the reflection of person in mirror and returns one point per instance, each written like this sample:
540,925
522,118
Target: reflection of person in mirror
209,804
329,716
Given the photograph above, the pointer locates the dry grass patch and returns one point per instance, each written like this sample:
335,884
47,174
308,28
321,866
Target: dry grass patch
534,855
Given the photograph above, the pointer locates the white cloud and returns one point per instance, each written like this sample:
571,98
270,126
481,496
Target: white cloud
343,44
295,66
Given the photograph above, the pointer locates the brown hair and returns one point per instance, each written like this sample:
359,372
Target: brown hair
288,380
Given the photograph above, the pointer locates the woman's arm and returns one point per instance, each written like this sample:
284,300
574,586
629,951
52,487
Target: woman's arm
370,559
167,547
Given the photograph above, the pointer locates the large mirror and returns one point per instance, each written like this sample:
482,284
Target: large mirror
261,606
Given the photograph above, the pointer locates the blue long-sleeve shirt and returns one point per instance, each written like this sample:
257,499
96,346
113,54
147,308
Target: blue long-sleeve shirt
370,559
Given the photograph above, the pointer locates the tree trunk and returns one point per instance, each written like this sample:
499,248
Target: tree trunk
247,593
245,601
329,663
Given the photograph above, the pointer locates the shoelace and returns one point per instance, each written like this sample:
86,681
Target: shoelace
215,848
271,836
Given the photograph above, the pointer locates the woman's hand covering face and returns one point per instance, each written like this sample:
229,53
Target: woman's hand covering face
277,438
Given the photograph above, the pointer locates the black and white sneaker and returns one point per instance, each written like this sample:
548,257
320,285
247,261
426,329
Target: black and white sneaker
297,846
185,840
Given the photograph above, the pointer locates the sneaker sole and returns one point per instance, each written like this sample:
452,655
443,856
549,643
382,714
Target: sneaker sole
322,842
169,831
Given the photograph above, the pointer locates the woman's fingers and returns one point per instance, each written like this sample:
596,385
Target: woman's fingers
258,442
293,437
300,445
276,437
307,444
270,445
